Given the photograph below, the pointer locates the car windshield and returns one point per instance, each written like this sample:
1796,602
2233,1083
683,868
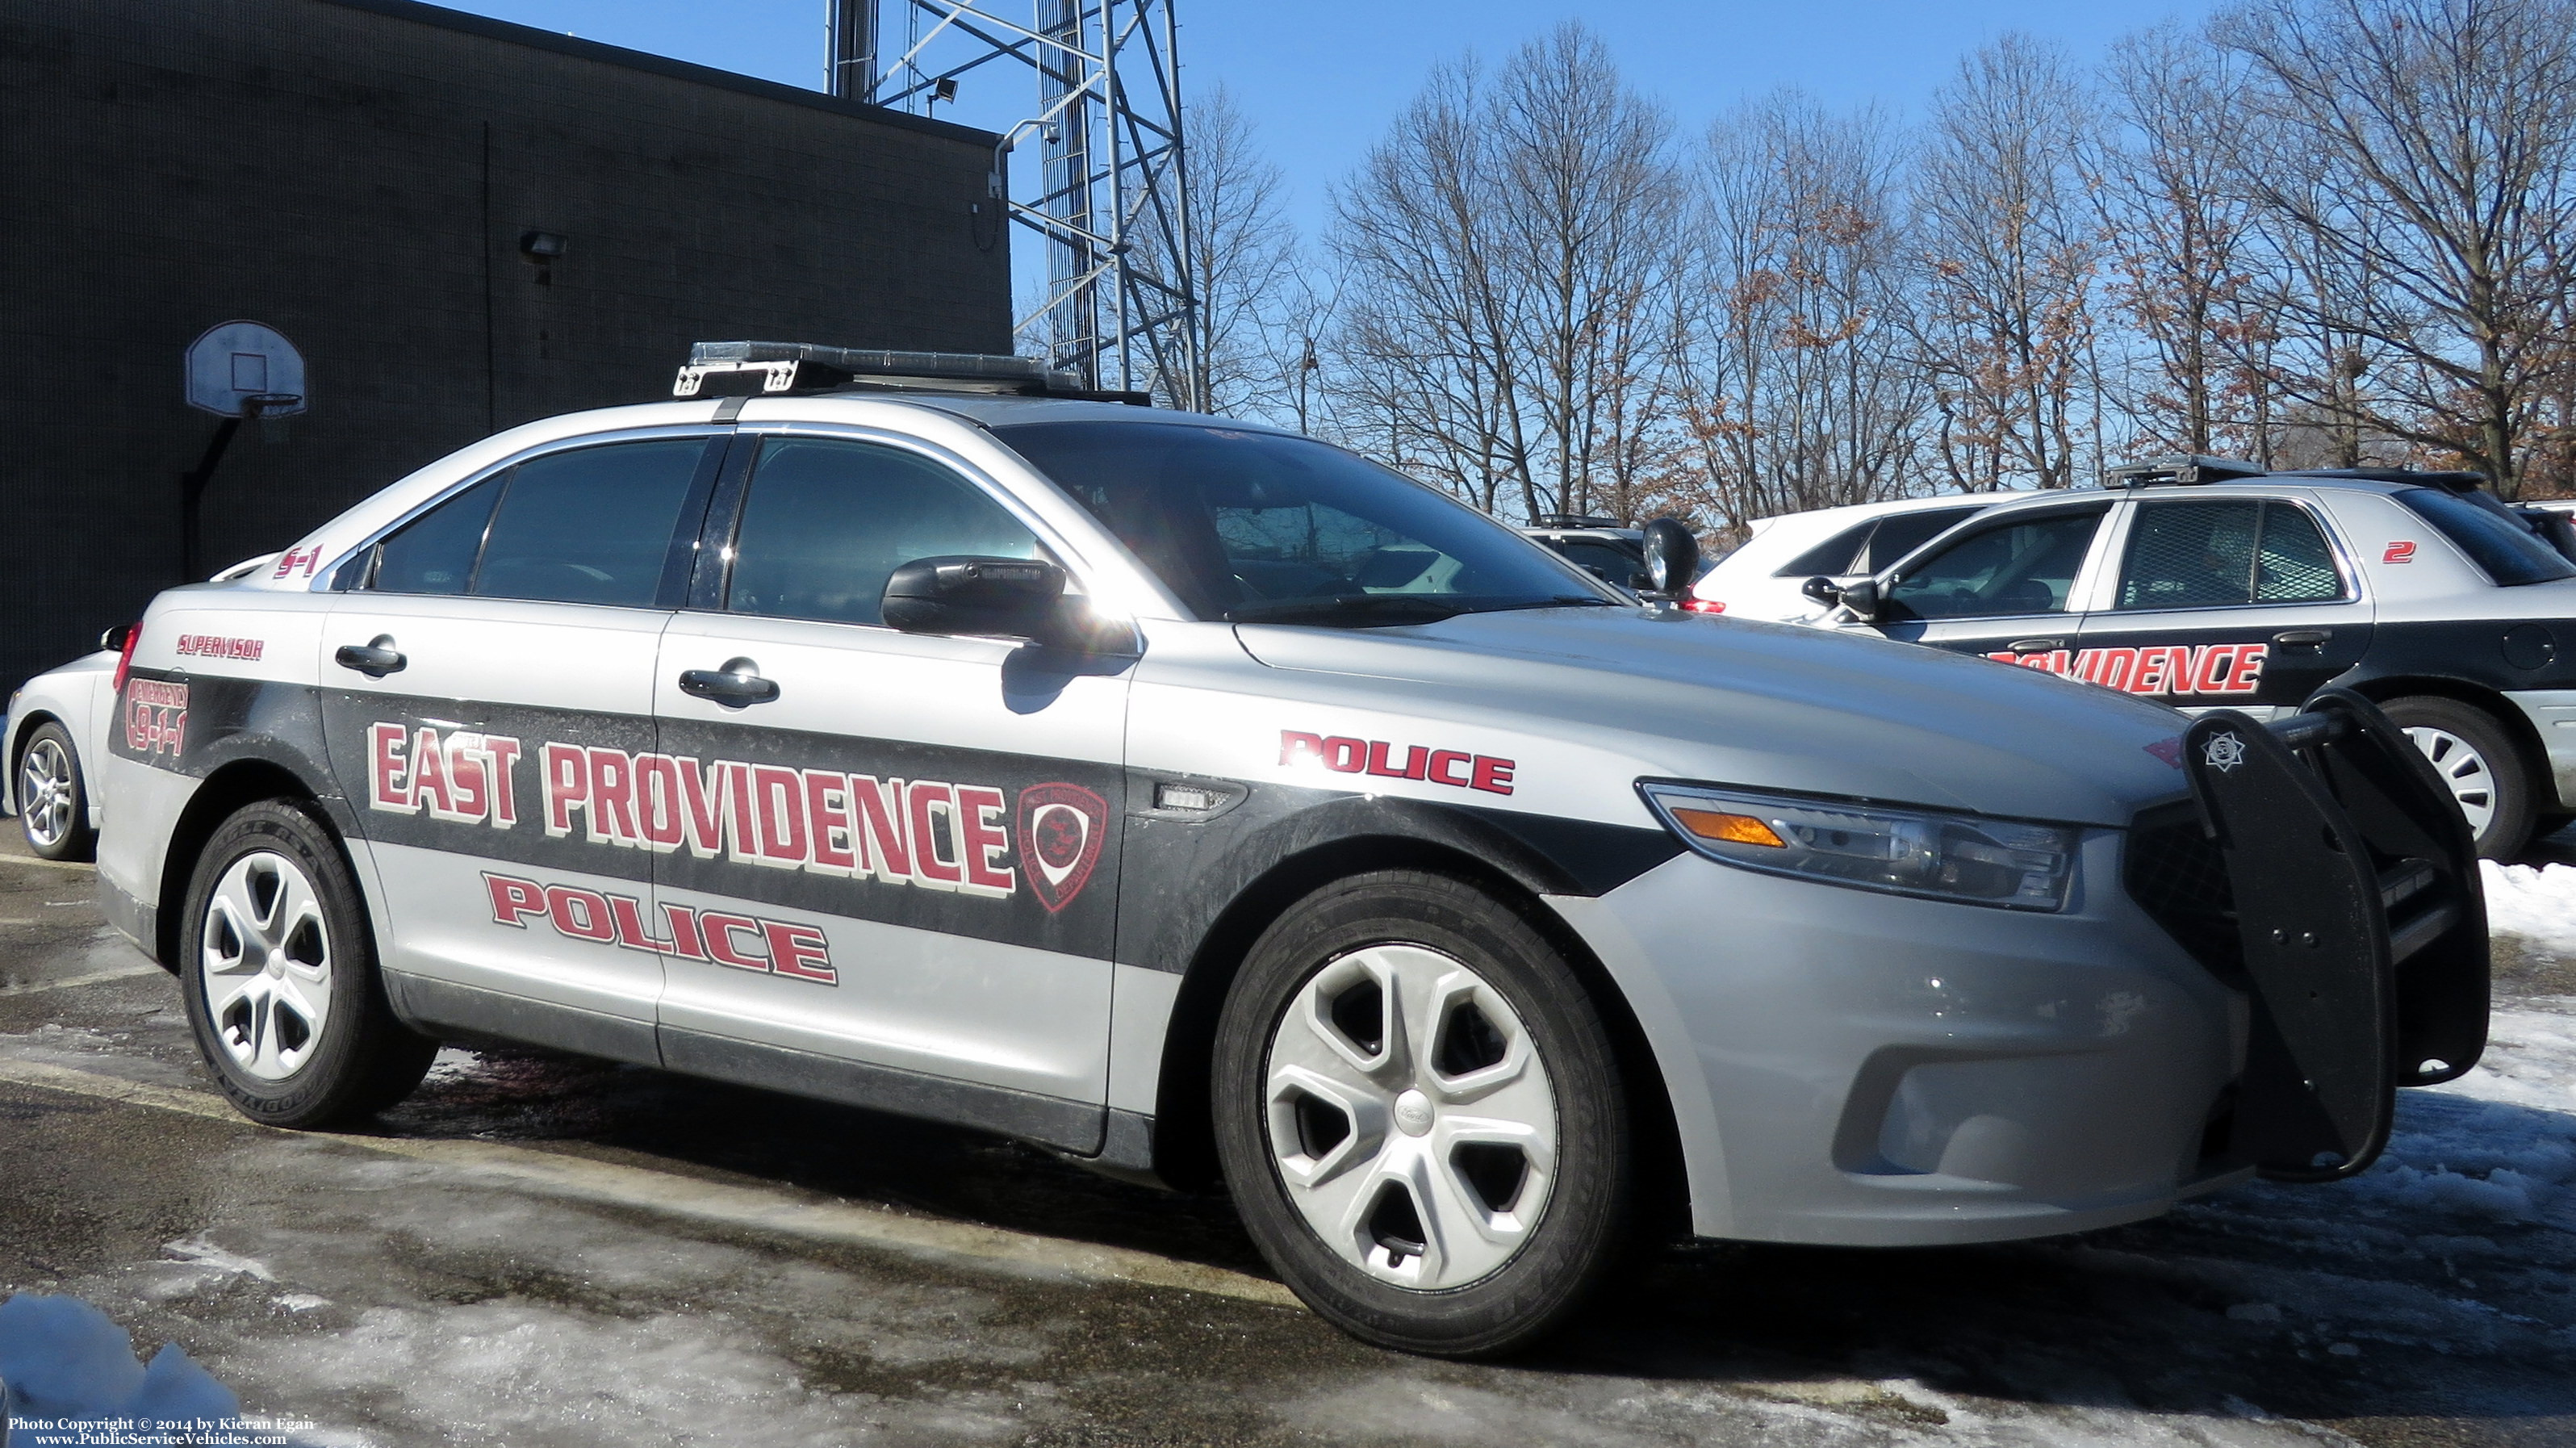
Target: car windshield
1258,527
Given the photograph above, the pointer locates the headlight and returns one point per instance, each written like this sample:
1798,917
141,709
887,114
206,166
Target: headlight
1872,847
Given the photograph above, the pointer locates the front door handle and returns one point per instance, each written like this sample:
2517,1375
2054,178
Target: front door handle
735,686
375,658
2035,646
2297,636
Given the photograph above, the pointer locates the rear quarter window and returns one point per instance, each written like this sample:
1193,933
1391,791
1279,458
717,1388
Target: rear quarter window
2495,541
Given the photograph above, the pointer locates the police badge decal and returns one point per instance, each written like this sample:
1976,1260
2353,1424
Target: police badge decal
1060,830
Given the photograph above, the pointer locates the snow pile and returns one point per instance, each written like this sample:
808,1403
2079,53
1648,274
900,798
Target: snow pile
62,1358
2535,902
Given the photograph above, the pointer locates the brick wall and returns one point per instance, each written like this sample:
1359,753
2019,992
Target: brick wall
359,175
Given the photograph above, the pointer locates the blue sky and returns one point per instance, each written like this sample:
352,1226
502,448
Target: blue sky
1321,78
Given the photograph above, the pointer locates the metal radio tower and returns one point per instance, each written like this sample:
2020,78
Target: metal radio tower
1112,200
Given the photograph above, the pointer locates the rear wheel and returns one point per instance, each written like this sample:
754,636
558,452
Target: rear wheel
53,796
1421,1117
2478,764
279,976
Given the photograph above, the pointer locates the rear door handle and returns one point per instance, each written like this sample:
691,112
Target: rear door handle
2299,636
375,658
735,686
2035,646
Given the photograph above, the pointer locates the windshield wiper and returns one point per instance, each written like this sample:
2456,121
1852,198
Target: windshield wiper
1359,610
1381,610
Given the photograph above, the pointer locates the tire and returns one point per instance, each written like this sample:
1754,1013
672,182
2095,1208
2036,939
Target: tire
53,796
2480,765
1332,1128
278,969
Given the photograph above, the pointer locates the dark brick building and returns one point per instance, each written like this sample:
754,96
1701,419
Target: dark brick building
363,175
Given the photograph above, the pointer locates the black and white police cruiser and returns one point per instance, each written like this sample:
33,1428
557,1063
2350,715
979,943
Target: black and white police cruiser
1203,801
2207,582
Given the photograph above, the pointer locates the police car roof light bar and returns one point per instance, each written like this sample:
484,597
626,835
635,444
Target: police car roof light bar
809,367
2179,469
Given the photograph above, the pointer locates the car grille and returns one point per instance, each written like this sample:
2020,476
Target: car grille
2175,874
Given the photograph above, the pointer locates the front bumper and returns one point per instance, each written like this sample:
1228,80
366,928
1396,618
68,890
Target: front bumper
1855,1068
1848,1067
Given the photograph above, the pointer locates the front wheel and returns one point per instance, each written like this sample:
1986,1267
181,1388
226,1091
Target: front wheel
279,974
1420,1116
2478,764
53,796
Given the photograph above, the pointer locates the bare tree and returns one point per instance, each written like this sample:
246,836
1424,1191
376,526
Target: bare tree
2418,181
2178,243
1791,381
1587,220
1242,251
2010,256
1429,373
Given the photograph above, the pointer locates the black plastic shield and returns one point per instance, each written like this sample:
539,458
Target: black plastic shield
2438,929
2318,1090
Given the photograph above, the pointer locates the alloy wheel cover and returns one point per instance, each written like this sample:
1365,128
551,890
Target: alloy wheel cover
264,963
1410,1117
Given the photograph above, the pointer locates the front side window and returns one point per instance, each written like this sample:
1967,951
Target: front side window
2213,553
2024,566
434,553
1260,527
827,521
593,525
2500,545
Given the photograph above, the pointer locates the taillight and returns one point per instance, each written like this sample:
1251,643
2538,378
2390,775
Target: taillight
1703,605
125,655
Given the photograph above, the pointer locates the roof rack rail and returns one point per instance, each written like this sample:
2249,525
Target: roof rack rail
777,368
2179,469
1574,520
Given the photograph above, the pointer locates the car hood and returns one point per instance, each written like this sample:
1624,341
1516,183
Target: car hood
1772,706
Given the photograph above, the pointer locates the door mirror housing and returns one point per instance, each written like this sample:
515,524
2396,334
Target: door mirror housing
1672,559
1860,599
961,594
1821,589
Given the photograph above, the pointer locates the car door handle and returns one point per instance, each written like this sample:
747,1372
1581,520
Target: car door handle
735,685
2035,646
375,658
2297,636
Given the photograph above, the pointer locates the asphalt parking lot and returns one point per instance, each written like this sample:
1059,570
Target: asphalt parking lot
541,1250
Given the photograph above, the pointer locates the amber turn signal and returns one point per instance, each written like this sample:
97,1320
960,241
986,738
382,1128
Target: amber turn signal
1733,829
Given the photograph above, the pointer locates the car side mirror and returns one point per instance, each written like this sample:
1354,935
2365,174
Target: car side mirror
960,594
1672,559
1822,590
1860,598
113,640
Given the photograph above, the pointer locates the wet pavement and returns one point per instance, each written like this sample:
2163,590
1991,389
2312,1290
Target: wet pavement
541,1250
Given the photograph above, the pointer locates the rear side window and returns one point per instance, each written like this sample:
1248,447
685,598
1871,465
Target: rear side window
2213,553
2508,552
434,553
593,525
826,522
1607,560
1834,555
1901,533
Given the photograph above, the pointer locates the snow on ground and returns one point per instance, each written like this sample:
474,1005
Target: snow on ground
2535,902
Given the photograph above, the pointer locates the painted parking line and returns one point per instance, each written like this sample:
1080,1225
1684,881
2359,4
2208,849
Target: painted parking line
122,972
755,1208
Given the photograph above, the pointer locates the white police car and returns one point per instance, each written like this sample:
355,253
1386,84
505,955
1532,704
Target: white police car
2207,582
1201,800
